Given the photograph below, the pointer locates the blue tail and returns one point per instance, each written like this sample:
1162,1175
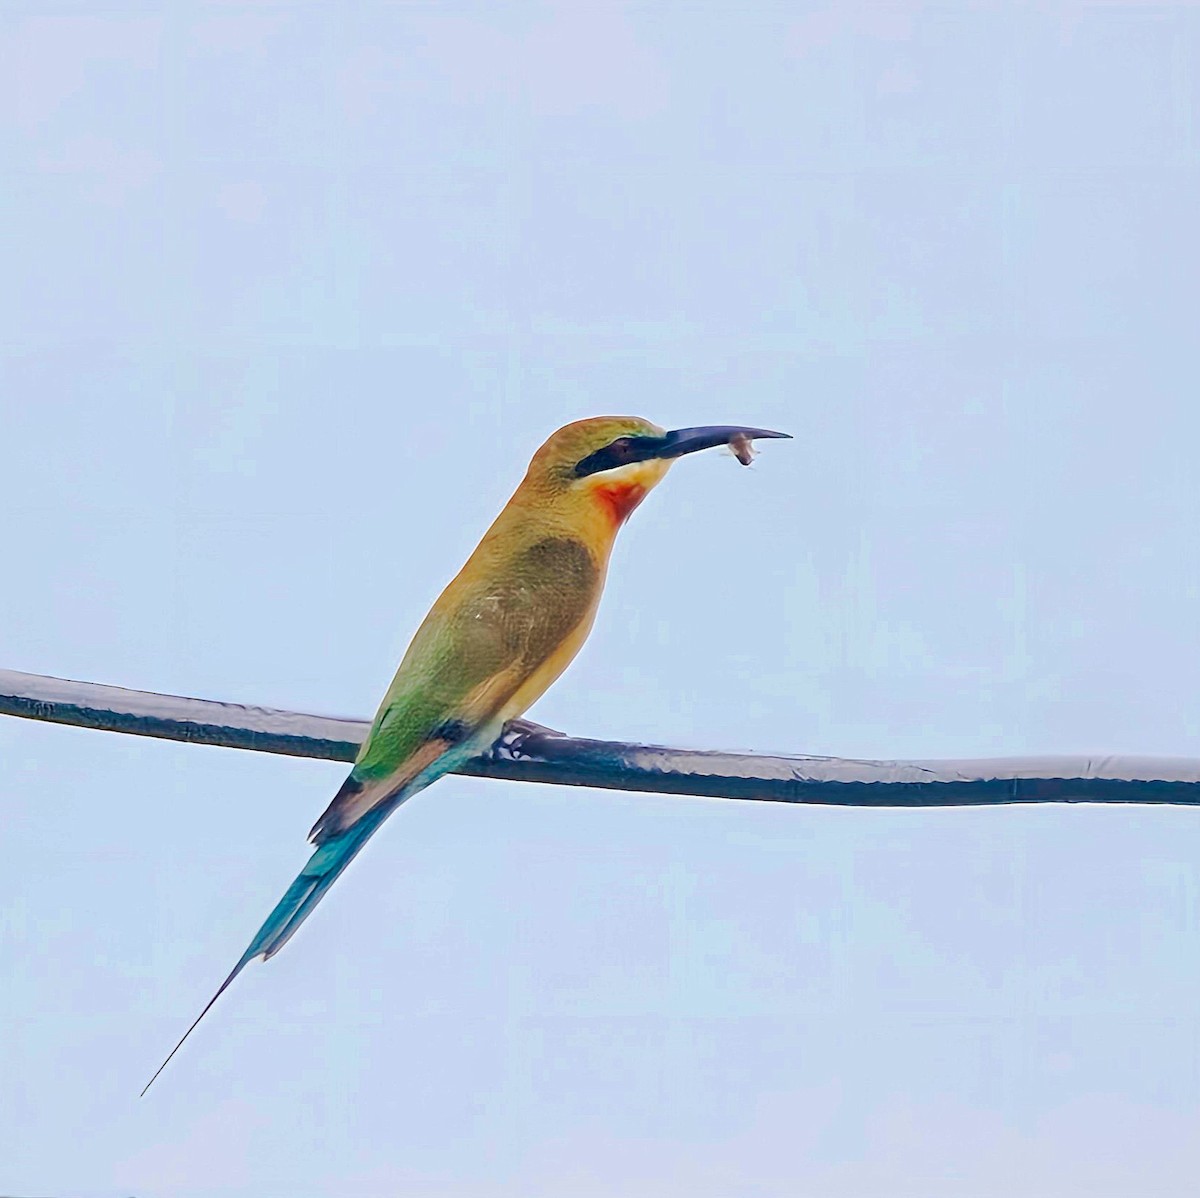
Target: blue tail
323,869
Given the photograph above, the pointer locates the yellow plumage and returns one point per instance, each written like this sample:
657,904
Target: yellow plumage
502,631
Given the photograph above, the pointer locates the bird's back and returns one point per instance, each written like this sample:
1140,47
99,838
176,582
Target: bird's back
500,633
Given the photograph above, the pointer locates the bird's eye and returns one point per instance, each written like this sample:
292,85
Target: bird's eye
615,453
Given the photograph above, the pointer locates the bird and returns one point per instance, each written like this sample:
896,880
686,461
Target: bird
497,637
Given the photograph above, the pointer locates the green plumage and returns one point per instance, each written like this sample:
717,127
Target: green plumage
485,637
500,633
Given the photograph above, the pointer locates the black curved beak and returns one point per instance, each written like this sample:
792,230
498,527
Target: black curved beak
673,445
688,440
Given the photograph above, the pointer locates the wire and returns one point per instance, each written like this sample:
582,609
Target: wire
530,753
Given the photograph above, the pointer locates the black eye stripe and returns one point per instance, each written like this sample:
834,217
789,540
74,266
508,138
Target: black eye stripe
620,452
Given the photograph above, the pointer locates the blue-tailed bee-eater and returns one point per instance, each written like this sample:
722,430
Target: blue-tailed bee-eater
504,629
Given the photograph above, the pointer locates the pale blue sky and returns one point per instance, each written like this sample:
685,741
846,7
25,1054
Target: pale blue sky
290,292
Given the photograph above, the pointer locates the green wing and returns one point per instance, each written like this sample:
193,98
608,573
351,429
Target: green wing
484,637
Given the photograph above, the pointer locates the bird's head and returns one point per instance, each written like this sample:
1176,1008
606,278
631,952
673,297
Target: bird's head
614,461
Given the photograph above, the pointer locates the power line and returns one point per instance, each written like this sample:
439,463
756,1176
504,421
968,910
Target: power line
529,753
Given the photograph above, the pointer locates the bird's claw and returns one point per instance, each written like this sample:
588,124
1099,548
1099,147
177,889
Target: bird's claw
530,728
516,732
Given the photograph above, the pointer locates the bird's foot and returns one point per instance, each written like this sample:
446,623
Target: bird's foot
511,742
529,728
